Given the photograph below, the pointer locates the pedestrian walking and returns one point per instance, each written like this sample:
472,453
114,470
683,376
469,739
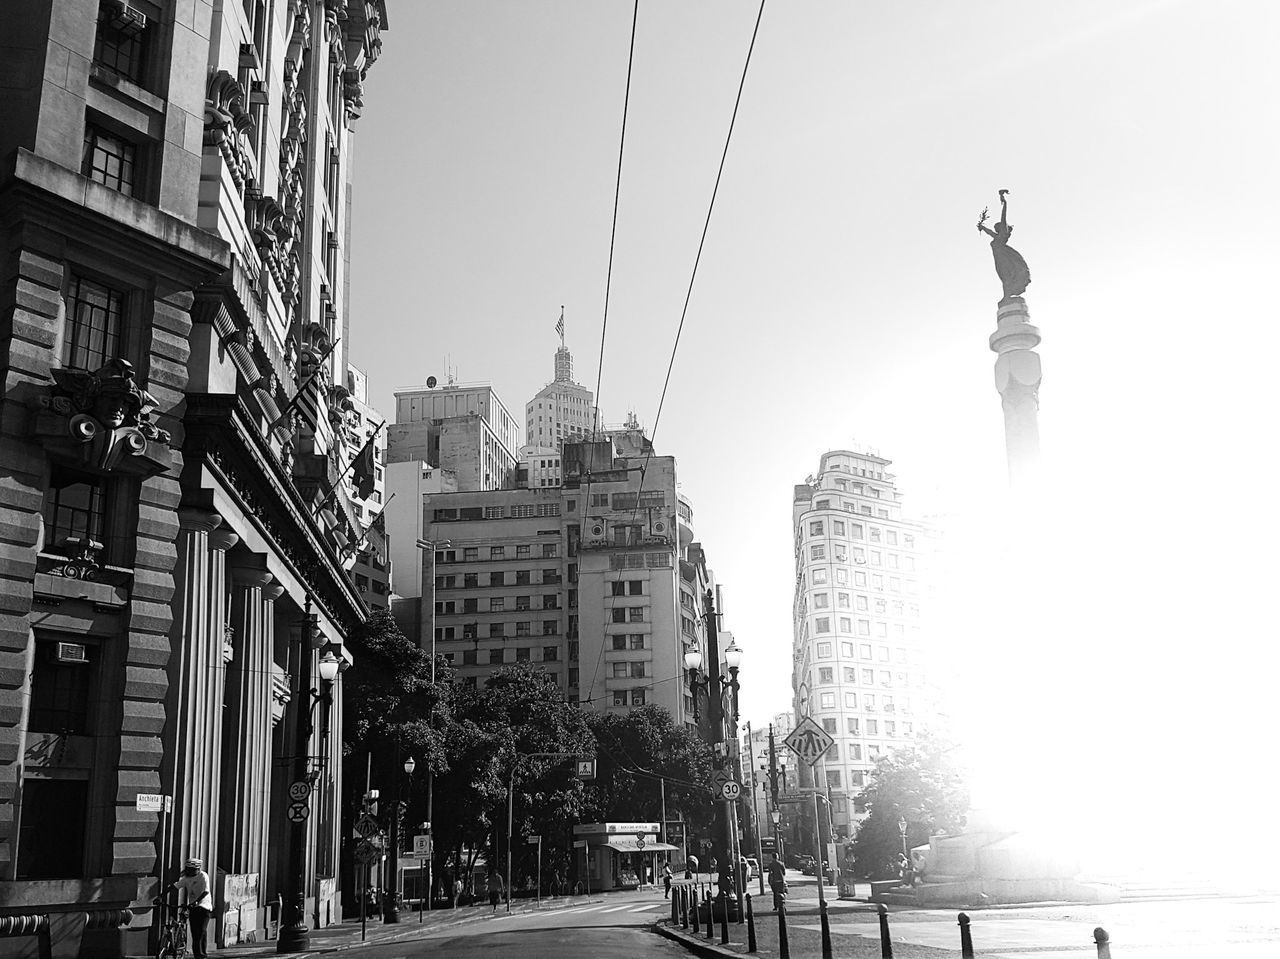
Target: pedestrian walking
777,881
691,867
457,891
666,881
496,889
194,882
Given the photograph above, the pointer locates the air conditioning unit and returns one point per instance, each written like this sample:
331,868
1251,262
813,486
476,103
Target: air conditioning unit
71,653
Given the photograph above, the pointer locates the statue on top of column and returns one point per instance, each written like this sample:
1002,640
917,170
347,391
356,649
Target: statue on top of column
1010,266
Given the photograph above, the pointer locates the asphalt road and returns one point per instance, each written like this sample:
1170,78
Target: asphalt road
617,925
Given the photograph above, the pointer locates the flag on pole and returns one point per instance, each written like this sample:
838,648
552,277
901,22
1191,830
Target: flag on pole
363,473
560,325
376,537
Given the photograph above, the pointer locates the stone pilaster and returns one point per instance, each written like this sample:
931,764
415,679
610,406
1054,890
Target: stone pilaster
197,655
247,726
1017,374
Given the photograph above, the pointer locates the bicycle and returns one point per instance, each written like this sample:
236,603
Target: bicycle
172,942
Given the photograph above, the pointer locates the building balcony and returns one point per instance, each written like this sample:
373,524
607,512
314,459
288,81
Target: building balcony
684,521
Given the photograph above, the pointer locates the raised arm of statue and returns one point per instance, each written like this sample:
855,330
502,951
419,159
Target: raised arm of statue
982,221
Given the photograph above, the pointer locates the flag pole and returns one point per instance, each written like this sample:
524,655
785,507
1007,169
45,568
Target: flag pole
349,467
293,402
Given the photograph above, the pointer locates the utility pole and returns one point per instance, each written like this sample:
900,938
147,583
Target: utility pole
723,843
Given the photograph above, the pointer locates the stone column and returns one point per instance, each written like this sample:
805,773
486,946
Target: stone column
1018,382
246,783
220,541
190,703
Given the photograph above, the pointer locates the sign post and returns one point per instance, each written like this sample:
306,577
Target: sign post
809,741
538,892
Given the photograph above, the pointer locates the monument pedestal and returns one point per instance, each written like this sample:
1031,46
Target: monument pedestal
1017,375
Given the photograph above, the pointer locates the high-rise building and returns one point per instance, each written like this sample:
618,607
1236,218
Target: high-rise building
562,411
466,429
174,195
858,665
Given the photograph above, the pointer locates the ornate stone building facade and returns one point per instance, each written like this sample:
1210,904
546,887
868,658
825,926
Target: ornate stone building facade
172,437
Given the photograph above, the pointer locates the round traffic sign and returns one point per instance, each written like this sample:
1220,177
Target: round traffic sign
298,812
299,790
731,790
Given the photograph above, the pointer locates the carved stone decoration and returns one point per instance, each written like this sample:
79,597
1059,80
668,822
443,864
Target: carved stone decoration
353,92
225,121
78,559
100,422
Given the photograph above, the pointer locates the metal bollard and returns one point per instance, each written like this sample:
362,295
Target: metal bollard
675,907
886,946
1103,941
724,919
684,907
693,896
966,938
784,950
751,926
711,917
825,923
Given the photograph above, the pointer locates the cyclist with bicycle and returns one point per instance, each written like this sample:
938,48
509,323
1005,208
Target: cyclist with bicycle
195,883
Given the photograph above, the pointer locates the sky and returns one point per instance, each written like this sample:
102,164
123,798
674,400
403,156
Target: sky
845,297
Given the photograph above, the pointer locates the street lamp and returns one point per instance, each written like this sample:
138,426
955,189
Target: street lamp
902,831
294,935
430,546
693,666
733,659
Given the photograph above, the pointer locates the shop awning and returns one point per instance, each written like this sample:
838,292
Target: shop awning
629,844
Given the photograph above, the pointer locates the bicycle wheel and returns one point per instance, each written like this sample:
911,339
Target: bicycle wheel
165,949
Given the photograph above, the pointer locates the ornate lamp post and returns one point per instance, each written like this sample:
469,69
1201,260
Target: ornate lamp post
294,934
697,682
733,660
902,831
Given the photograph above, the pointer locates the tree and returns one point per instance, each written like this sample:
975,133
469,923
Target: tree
919,784
634,751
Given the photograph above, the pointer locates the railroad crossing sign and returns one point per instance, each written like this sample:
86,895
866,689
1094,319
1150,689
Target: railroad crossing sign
366,852
299,790
731,790
808,741
298,812
367,826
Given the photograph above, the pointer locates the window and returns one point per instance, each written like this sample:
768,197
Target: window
826,675
637,670
824,650
522,577
852,726
493,512
52,829
468,657
496,630
637,697
637,640
890,729
828,700
550,627
550,654
821,600
846,650
551,601
619,697
846,624
74,507
815,528
618,614
850,674
444,633
523,602
93,328
110,160
619,670
522,628
820,577
522,654
864,629
817,552
869,679
548,550
471,605
833,778
636,614
842,577
470,580
619,641
837,527
120,44
496,604
822,625
497,552
829,725
851,699
832,755
571,506
470,554
873,729
822,504
842,600
522,552
60,691
495,657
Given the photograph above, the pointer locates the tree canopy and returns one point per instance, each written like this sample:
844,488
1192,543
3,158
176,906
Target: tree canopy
920,784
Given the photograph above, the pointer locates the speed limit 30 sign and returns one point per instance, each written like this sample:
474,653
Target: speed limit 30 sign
731,789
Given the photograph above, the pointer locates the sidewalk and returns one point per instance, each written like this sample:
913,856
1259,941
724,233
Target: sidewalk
346,934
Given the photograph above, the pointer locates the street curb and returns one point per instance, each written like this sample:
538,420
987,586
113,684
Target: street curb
699,947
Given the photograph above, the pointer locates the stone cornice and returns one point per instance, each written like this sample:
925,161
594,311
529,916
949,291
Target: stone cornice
220,435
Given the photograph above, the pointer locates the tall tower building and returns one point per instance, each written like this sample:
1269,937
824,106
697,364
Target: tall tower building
561,411
858,656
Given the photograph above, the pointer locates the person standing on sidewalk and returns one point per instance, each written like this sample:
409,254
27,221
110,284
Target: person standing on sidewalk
666,880
495,889
195,883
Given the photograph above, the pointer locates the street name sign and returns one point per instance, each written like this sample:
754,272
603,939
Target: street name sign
149,802
809,741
